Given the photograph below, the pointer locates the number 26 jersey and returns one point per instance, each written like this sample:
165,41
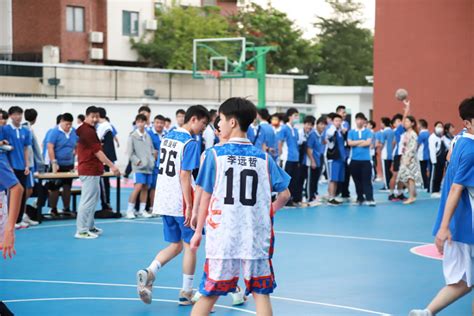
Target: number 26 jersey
178,152
240,178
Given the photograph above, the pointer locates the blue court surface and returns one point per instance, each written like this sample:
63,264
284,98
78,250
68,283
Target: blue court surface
328,261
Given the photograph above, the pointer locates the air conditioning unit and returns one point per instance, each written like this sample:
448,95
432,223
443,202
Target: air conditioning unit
96,53
96,37
151,25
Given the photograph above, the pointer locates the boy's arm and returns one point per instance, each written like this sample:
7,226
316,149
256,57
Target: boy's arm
103,158
8,247
452,202
27,160
202,215
281,200
365,143
186,187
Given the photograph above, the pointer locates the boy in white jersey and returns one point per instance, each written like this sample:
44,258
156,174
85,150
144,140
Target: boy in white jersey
454,229
174,202
236,204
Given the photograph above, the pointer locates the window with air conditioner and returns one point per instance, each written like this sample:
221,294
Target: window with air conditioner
74,19
130,21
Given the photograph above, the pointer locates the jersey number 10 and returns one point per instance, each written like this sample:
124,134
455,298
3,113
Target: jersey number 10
229,198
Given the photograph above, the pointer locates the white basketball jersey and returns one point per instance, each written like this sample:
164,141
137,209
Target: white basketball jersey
168,192
239,222
3,214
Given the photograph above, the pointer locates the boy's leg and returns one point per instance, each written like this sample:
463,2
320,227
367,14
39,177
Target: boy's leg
204,306
20,175
189,268
447,296
367,181
87,205
356,172
263,304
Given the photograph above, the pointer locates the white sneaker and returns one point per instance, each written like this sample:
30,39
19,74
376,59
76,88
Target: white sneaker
153,214
144,214
85,235
145,281
96,231
371,203
315,203
17,226
130,215
436,195
420,312
238,297
23,225
29,221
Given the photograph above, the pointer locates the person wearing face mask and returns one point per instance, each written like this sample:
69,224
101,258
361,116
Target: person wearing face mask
438,151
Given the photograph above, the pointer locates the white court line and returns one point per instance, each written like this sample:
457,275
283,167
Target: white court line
176,288
97,222
112,299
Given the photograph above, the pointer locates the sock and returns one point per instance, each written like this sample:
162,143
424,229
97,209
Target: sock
154,267
396,192
188,282
142,207
131,207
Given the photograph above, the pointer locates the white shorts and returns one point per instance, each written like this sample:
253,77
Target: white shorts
3,214
458,263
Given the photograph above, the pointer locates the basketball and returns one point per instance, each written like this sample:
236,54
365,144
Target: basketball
401,94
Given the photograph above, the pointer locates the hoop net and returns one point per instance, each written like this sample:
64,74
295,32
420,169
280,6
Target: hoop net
216,74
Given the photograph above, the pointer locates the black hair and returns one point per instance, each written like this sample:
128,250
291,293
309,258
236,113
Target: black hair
291,111
140,117
331,115
309,119
102,113
264,114
212,112
361,115
67,117
438,122
423,123
336,116
198,111
413,120
81,117
4,114
243,110
31,115
144,108
92,109
14,110
167,119
372,122
397,116
216,124
322,119
340,107
160,117
386,121
466,109
447,126
180,111
58,119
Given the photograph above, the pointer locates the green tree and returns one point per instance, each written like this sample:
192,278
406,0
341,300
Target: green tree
343,46
268,26
171,44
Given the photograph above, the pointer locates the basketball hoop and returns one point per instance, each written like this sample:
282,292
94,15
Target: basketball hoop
216,74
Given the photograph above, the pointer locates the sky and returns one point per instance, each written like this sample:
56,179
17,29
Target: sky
304,12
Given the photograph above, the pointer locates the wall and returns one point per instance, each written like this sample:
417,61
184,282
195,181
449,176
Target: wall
426,47
6,32
119,47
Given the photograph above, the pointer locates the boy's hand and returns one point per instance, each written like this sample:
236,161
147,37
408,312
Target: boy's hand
188,215
196,241
441,237
8,247
115,170
27,171
194,219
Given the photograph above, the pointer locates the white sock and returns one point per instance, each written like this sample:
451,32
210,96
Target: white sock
142,207
188,282
154,267
131,207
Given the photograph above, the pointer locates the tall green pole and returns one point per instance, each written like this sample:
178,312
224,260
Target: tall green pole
261,79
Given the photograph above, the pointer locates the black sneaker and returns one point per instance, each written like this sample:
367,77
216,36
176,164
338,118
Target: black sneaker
402,197
393,198
334,202
291,204
54,213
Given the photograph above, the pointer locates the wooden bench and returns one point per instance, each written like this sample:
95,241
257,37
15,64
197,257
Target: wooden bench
75,192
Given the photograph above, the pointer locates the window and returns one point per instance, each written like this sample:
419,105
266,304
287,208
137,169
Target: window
130,23
75,19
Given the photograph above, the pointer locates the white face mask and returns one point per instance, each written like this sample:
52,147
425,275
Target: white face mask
439,130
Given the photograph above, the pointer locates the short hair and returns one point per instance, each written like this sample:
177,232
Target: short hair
397,116
144,108
140,117
264,114
67,117
160,117
291,111
243,110
212,112
92,109
438,122
15,110
361,116
423,123
340,107
4,114
309,119
331,115
386,121
197,111
322,120
180,111
466,109
31,115
58,119
81,117
372,122
102,113
167,119
447,126
335,116
216,124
